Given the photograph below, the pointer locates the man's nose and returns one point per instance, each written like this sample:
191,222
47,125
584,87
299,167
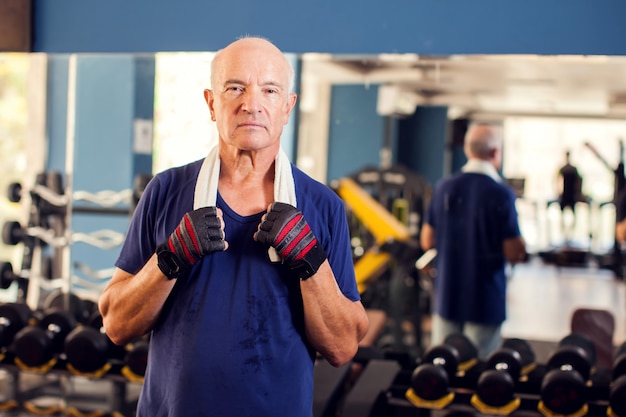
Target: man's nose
251,101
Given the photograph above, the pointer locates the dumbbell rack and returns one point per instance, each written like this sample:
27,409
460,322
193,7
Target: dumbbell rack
50,215
463,388
380,385
58,391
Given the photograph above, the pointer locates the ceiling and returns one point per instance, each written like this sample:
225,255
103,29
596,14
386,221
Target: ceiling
495,85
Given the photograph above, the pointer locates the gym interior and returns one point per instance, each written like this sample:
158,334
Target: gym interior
95,99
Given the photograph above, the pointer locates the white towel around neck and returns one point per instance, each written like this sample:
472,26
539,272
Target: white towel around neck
205,194
206,185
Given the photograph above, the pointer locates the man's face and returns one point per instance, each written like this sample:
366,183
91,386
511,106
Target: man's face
251,101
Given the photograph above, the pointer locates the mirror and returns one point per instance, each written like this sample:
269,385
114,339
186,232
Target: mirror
547,105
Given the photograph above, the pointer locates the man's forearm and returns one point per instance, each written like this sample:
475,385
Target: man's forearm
131,304
334,324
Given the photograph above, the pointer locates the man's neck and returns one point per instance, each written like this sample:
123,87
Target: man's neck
246,181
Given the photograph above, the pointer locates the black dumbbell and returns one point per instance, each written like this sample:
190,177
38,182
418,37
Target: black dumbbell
14,192
82,309
13,233
564,386
53,181
88,350
7,276
504,367
617,393
13,318
38,346
139,186
136,359
431,380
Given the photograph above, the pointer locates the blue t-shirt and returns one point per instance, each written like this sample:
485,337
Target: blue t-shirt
230,340
472,215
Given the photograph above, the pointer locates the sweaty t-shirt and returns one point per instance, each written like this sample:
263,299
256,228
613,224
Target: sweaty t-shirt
230,340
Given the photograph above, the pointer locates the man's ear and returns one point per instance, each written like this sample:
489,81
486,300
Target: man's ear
208,97
291,103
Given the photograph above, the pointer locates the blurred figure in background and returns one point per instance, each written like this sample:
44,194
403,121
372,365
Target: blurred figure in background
472,223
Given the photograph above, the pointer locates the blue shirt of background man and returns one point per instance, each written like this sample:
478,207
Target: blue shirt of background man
472,215
230,340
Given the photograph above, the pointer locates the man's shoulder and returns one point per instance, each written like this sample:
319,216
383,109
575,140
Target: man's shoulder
180,174
465,181
175,183
303,179
184,170
458,177
311,189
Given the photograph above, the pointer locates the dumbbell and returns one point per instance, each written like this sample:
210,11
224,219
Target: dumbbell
13,317
136,359
38,346
7,276
89,351
617,392
14,192
431,380
81,309
139,185
53,181
504,367
13,233
563,388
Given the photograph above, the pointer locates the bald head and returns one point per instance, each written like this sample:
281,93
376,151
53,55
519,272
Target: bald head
482,140
250,99
251,47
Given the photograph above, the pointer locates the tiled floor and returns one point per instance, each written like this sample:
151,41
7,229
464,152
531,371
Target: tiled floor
542,299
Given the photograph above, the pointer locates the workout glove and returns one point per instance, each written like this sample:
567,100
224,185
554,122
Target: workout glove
284,228
198,234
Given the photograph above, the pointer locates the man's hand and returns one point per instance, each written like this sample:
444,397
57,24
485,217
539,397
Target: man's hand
284,228
199,233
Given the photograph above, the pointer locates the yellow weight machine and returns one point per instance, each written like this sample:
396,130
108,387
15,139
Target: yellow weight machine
390,244
380,222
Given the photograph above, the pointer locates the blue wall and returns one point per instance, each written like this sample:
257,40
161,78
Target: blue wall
356,131
366,26
111,93
427,27
421,144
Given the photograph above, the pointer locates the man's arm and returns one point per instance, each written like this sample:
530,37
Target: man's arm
427,237
620,224
130,304
515,250
334,324
620,231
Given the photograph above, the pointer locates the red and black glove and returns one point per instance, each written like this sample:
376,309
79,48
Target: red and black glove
199,233
284,228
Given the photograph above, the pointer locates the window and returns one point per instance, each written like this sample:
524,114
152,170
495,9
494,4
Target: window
535,149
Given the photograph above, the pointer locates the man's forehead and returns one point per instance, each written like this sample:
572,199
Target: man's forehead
242,72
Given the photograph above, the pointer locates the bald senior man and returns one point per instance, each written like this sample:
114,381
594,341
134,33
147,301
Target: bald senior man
238,265
472,223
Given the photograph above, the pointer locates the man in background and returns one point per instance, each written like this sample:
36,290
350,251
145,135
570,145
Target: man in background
472,223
